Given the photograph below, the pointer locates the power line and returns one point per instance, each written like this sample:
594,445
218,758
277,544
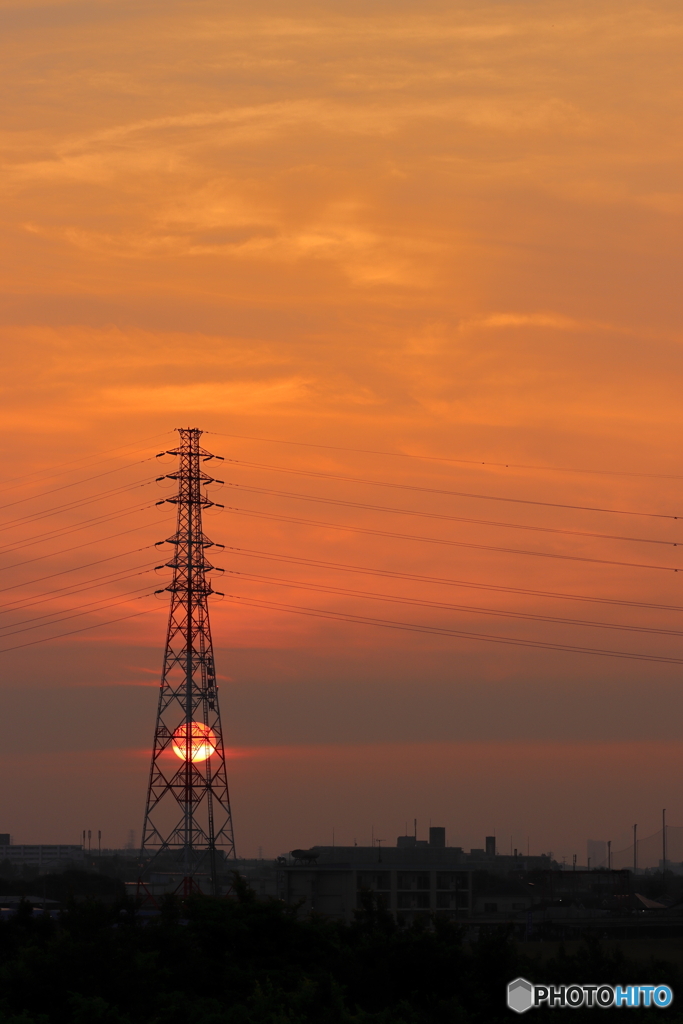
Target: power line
70,506
453,494
75,483
453,519
52,535
324,588
441,458
75,588
9,630
76,547
82,458
77,568
468,584
444,631
272,516
95,625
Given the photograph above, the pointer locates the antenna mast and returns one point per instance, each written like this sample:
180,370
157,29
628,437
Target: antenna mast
188,823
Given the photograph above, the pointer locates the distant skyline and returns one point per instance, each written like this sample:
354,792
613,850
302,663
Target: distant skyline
449,230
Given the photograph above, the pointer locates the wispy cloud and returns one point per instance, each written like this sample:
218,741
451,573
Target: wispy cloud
553,320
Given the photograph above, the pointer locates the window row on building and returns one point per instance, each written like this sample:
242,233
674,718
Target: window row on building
39,854
413,881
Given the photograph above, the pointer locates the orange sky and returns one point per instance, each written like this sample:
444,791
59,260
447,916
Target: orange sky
435,229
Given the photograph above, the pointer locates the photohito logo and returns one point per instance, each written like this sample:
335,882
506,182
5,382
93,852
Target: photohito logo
523,996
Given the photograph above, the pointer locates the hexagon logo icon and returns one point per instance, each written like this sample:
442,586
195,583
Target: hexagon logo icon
520,995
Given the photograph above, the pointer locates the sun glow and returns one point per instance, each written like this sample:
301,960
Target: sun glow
200,744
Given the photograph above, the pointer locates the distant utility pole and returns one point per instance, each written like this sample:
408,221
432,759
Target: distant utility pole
188,807
574,863
89,838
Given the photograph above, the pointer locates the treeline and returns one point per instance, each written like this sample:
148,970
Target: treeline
247,961
65,885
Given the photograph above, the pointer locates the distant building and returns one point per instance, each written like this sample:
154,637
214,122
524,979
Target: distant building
404,842
42,857
437,837
505,904
414,879
411,881
596,851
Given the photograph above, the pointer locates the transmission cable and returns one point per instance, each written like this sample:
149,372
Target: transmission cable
70,506
64,531
75,483
324,588
76,547
441,458
73,588
9,630
438,490
412,627
453,519
83,458
273,517
71,632
468,584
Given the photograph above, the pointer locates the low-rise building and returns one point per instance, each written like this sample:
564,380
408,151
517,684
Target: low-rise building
338,890
409,882
41,856
416,878
506,904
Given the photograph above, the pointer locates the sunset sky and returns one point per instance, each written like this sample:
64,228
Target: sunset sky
378,252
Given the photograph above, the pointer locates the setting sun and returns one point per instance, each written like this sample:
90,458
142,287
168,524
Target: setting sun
202,742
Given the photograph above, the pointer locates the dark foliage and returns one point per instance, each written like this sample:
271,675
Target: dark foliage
64,885
246,961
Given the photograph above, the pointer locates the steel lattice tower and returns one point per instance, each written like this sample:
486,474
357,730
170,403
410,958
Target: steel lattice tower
187,816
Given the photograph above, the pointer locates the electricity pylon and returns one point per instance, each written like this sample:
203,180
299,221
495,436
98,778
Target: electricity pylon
187,817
